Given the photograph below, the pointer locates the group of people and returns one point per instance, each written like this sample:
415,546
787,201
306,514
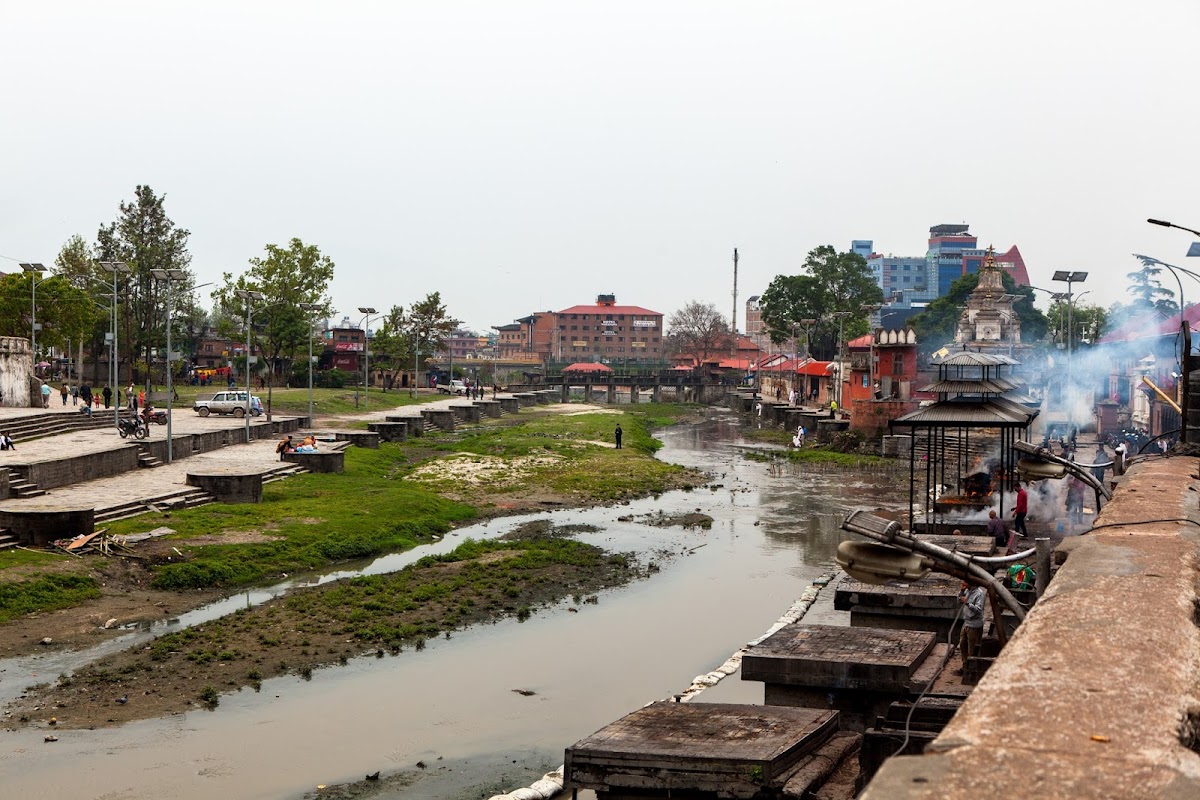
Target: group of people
80,392
289,445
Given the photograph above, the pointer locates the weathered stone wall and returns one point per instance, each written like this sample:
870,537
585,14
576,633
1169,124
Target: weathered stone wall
16,367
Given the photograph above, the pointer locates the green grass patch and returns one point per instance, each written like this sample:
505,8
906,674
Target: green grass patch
325,401
17,557
45,593
314,520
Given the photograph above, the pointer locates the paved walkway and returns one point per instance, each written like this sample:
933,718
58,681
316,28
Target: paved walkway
146,483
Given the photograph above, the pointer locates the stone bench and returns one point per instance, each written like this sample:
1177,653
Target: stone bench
526,399
367,439
389,431
490,408
467,413
416,424
37,523
320,461
510,405
442,418
229,485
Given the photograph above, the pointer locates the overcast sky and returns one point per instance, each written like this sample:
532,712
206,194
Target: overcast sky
522,156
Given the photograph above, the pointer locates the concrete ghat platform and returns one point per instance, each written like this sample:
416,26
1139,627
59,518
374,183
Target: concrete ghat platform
229,484
1105,670
697,750
39,522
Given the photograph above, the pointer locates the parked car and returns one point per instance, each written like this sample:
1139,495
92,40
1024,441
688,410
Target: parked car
226,403
453,387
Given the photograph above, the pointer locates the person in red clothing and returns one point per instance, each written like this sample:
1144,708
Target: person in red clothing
1020,510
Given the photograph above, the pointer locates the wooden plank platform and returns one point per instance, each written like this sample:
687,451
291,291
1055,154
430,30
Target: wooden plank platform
836,657
733,750
969,545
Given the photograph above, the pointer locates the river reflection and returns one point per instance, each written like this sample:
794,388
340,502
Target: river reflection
452,705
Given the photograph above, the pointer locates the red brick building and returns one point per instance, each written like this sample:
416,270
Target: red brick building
881,379
343,346
606,331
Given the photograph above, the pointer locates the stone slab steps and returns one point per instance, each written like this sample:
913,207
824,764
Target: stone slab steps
282,472
20,487
7,539
183,498
148,461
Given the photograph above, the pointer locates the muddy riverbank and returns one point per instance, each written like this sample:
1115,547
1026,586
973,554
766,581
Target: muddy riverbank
452,706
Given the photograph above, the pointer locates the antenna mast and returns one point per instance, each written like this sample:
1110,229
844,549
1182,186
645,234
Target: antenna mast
733,347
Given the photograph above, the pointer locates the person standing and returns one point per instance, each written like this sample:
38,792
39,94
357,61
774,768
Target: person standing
64,391
45,395
1020,511
131,398
75,395
617,434
85,391
833,409
107,393
972,630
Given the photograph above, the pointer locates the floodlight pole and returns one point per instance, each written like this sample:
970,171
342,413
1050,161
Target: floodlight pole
34,270
310,307
168,276
1069,277
114,368
367,311
248,296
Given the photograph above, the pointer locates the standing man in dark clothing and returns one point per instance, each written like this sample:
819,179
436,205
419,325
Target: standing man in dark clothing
1020,510
107,395
972,598
617,434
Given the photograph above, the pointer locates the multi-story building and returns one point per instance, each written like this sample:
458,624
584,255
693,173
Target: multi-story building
905,276
754,323
862,247
343,345
945,258
606,331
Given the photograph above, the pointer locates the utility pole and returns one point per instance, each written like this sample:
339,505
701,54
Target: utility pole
733,345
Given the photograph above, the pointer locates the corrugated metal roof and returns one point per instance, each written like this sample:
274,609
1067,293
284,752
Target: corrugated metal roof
968,358
992,412
992,386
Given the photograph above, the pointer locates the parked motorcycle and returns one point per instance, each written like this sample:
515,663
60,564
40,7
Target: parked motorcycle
159,416
131,425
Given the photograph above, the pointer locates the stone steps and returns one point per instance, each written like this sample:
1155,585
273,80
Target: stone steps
147,461
184,498
19,487
7,539
285,471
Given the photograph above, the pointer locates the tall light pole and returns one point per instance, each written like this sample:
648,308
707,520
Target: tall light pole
1069,277
35,269
366,311
310,307
117,268
839,316
249,297
169,276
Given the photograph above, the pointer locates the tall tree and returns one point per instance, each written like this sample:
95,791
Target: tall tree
829,282
1148,292
145,238
286,277
699,330
77,264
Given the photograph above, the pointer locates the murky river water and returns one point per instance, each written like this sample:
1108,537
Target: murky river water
452,705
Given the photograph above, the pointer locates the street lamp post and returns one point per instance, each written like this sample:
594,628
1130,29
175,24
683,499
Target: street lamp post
117,268
1069,277
840,316
366,311
249,297
310,307
1163,223
35,269
169,276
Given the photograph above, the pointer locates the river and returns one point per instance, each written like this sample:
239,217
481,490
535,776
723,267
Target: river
452,706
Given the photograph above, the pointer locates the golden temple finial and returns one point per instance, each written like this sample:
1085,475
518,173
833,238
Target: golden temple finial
990,261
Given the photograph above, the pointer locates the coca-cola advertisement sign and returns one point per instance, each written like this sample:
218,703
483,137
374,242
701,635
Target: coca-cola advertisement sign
347,347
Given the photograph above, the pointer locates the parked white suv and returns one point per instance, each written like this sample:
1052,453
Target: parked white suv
226,403
453,387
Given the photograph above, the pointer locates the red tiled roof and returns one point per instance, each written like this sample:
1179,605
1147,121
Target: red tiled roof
588,366
861,343
1151,324
595,309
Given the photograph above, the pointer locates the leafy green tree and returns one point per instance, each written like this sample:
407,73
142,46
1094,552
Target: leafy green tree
1148,293
77,263
936,325
146,239
1087,322
65,313
829,282
286,277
